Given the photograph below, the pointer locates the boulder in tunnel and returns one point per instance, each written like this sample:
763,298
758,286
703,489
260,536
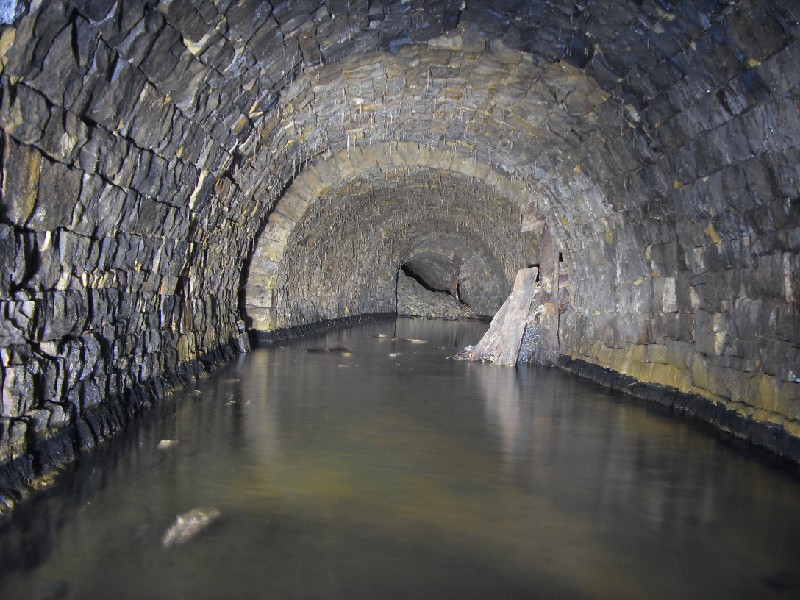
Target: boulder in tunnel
463,269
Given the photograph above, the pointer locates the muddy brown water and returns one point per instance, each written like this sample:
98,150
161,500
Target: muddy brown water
380,469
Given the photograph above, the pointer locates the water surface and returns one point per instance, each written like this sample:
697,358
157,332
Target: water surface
364,464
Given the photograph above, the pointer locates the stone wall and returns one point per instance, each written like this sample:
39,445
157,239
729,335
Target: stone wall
695,279
338,236
668,177
146,145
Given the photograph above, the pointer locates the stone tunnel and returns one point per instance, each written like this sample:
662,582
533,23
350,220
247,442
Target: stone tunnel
181,176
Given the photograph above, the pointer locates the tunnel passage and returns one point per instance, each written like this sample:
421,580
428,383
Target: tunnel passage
338,253
149,147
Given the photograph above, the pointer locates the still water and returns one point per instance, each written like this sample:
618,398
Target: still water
380,469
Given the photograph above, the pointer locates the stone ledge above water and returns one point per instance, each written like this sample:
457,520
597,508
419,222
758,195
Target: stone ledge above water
767,436
263,338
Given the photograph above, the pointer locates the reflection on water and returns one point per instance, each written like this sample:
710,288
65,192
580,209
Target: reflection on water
363,464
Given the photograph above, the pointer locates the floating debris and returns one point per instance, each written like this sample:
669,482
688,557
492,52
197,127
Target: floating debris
196,393
340,349
189,524
464,354
416,341
394,354
167,444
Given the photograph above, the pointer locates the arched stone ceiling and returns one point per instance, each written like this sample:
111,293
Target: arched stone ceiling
341,231
488,114
146,144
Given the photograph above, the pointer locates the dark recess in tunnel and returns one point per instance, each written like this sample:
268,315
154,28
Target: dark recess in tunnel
409,272
451,284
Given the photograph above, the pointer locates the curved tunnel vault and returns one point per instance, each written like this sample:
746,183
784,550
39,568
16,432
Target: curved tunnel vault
146,145
339,236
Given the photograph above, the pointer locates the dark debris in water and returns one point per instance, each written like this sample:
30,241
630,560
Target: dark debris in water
339,349
784,582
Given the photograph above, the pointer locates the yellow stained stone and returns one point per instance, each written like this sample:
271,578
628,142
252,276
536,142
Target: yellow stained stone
712,233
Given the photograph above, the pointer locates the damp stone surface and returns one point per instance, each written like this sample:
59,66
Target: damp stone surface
178,176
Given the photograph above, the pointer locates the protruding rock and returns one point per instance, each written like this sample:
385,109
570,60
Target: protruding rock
503,343
413,300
